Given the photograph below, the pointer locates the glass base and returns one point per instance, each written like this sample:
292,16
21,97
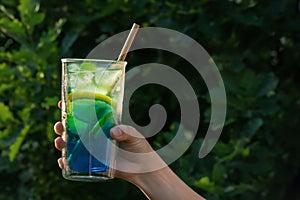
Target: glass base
85,177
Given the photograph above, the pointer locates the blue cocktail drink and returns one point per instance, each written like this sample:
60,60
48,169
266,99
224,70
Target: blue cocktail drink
92,104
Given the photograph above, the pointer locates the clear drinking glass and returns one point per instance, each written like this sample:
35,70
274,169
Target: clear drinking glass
92,97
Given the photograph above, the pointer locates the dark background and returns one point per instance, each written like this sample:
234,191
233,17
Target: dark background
255,45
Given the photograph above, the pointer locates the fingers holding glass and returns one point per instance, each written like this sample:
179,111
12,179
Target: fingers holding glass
58,128
59,143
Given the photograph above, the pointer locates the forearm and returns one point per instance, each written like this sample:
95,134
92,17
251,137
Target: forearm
164,184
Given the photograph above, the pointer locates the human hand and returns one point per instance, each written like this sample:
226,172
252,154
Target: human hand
130,141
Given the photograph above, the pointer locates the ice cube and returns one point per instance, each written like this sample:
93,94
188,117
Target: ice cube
98,76
84,78
72,81
107,80
73,67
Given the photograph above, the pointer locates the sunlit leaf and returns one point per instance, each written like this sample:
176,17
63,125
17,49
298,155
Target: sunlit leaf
6,116
218,173
14,148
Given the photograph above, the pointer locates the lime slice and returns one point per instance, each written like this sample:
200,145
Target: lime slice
75,125
86,109
89,66
80,95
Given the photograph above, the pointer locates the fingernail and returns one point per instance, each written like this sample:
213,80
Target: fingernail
117,131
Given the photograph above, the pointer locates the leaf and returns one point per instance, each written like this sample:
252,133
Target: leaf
49,36
46,47
6,12
26,6
5,116
4,135
237,64
4,87
37,19
222,148
49,131
218,173
14,148
247,79
25,114
205,184
24,56
267,84
245,152
268,107
50,102
13,28
68,41
248,20
251,127
29,14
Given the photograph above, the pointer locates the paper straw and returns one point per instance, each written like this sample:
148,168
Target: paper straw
128,42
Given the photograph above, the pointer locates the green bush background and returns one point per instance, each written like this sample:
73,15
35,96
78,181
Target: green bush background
255,45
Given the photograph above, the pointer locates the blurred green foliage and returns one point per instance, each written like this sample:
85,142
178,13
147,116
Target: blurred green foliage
255,45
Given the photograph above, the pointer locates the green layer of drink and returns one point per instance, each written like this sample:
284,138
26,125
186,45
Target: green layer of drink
87,120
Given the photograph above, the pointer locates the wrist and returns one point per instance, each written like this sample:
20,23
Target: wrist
163,184
149,182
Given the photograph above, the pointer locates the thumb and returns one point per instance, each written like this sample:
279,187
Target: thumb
124,133
130,139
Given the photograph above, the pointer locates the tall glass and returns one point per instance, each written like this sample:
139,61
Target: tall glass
92,96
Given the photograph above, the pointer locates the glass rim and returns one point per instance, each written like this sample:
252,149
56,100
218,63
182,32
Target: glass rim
65,60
